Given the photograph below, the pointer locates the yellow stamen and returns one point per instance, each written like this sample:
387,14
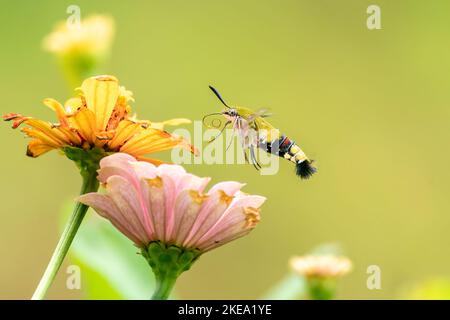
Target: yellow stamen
252,216
225,198
198,197
155,182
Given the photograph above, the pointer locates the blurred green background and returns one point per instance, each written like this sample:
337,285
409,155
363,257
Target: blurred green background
372,107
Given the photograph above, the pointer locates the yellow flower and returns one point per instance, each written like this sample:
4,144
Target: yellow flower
321,266
93,36
99,118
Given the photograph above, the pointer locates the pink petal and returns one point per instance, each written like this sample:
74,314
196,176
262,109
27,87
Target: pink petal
192,182
229,187
157,203
245,200
186,209
172,170
106,208
131,206
117,161
144,170
220,241
126,166
211,211
170,175
233,220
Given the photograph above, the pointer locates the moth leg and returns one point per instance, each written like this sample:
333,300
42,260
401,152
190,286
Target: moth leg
245,156
243,146
220,133
233,135
253,157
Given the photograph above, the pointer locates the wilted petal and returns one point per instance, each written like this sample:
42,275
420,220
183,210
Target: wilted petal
124,131
39,135
59,110
37,147
101,95
148,141
83,121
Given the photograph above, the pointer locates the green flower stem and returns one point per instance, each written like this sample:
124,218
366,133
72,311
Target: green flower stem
168,263
164,286
88,171
321,288
78,66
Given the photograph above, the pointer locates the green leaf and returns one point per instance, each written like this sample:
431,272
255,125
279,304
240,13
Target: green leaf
111,267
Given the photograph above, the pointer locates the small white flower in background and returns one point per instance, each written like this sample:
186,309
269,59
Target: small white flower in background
321,273
324,266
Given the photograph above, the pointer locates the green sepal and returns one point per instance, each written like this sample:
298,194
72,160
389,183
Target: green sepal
86,160
169,260
168,263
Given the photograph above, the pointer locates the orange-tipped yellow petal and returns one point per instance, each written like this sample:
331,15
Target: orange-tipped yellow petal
101,94
84,122
59,110
46,139
17,117
36,148
124,132
47,129
148,141
72,105
71,135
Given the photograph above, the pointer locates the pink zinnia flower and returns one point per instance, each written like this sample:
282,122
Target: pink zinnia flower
167,204
164,210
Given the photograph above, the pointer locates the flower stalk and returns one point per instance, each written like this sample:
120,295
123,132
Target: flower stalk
87,162
321,289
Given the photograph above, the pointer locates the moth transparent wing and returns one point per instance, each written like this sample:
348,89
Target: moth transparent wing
260,113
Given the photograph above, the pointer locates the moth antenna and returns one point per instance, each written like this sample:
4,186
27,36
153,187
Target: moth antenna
218,96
